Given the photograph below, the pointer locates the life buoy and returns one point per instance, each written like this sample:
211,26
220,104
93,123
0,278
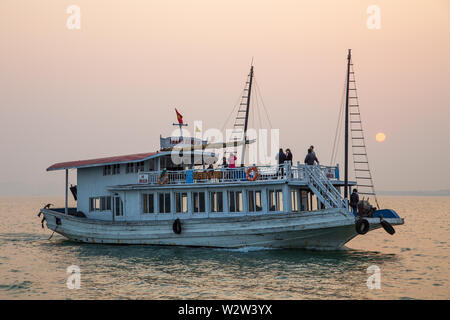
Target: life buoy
387,227
362,226
255,174
163,178
176,226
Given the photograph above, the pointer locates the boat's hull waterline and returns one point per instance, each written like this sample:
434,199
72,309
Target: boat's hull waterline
324,229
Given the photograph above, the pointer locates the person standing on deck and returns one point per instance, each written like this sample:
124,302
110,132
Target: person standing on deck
314,154
311,157
224,163
232,161
281,157
354,199
289,156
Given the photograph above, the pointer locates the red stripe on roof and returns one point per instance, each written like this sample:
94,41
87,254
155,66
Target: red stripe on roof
100,161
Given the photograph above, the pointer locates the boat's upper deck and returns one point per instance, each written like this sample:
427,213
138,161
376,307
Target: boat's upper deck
296,174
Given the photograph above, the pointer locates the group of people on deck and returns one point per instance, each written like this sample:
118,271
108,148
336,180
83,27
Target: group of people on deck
281,156
284,157
310,158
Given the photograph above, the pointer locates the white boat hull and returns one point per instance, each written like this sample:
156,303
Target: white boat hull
325,229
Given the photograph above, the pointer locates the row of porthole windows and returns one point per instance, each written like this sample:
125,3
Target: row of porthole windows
216,201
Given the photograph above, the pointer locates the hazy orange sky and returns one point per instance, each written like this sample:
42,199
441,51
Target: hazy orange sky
110,88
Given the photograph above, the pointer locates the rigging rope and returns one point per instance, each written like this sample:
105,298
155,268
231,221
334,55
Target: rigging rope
259,113
51,235
337,135
256,102
264,105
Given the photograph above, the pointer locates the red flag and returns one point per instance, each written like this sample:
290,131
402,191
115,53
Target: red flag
179,117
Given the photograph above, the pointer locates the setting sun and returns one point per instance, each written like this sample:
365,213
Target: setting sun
380,137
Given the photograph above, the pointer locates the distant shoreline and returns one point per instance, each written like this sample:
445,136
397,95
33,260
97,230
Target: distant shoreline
433,193
437,193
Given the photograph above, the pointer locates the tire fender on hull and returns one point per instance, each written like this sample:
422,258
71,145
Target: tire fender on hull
387,227
176,226
362,226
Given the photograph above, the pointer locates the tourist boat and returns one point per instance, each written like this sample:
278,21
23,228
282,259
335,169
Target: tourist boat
148,199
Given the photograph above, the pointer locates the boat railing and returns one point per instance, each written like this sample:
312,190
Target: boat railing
222,174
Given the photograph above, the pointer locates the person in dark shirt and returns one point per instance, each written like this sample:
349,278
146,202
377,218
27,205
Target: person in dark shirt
281,157
224,162
354,199
311,157
314,154
289,155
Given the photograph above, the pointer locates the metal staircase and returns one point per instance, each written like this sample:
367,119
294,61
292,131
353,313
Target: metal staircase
323,188
363,174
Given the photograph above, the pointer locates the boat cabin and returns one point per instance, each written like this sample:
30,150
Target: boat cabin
149,186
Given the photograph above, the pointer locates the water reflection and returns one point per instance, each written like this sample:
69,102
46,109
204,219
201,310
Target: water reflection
166,255
170,272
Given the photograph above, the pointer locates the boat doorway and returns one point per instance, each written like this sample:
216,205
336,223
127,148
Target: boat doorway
117,208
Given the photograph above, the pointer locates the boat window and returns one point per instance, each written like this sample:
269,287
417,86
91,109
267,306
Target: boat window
148,203
107,170
93,204
199,201
151,165
164,202
235,200
304,201
216,199
108,203
135,167
100,204
294,200
118,206
181,202
275,200
140,166
130,168
163,162
254,201
116,169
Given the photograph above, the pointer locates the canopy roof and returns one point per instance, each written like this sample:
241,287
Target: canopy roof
131,158
137,157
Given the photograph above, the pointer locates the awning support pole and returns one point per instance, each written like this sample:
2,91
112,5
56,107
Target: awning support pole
67,185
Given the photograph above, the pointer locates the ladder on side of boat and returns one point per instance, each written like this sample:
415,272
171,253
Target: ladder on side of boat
323,188
237,134
364,180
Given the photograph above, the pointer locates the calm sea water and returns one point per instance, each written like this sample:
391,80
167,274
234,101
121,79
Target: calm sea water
414,263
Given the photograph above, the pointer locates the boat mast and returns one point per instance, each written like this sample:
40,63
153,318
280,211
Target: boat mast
349,56
247,111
